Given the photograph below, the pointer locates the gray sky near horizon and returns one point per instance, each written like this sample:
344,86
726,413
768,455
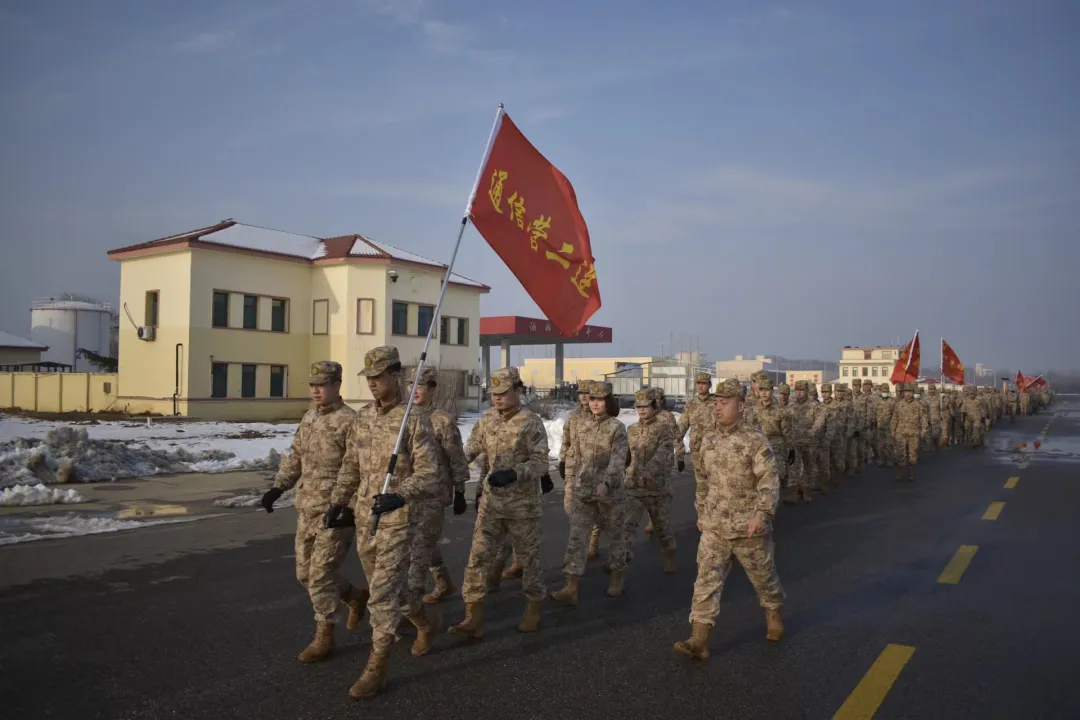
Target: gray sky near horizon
777,179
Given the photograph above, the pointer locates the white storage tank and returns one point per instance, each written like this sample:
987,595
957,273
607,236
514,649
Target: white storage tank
71,322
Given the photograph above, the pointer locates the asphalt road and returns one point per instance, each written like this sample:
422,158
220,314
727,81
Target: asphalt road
204,619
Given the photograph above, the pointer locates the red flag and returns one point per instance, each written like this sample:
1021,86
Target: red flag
1019,380
1036,384
528,213
951,367
906,369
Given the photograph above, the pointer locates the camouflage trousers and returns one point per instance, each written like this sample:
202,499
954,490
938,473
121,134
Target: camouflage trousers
973,433
424,553
808,462
837,460
943,436
568,491
825,466
611,518
780,451
385,558
907,450
700,478
933,436
489,540
883,446
853,462
319,554
714,559
658,508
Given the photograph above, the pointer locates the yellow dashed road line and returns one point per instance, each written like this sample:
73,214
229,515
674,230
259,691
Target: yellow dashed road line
868,695
955,569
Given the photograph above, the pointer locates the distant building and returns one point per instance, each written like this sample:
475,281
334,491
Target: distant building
741,368
69,324
869,363
540,372
815,376
15,350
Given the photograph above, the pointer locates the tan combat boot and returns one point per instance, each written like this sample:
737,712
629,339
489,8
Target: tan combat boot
473,624
669,563
773,624
321,646
594,545
426,623
696,647
530,621
357,600
615,587
568,595
791,496
515,570
494,578
444,587
649,529
374,675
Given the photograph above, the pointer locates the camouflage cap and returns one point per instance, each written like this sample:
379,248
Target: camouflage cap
856,382
802,385
759,376
379,360
323,372
644,397
599,390
427,376
702,378
784,389
932,389
584,386
504,379
884,387
730,388
765,384
826,388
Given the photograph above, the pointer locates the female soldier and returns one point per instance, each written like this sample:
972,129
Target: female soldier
648,477
601,455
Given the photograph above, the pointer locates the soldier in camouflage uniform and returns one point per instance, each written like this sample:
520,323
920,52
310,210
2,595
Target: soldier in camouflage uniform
664,415
808,428
1025,402
983,396
831,450
603,454
883,440
741,492
909,427
785,394
697,417
385,554
566,459
1011,402
648,479
869,433
429,513
854,429
858,404
777,423
313,462
958,432
933,399
515,442
974,420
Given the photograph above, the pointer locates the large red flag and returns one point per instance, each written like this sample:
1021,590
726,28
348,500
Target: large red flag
1019,380
528,213
906,369
951,367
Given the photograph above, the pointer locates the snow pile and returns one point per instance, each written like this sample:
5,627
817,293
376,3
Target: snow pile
47,528
39,495
253,499
67,454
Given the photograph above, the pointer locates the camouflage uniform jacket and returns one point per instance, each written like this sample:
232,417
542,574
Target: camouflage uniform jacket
909,419
650,444
371,440
514,440
570,427
750,415
603,452
453,467
872,401
808,423
836,420
315,456
699,416
776,422
972,409
1012,397
679,449
885,408
935,408
854,420
741,481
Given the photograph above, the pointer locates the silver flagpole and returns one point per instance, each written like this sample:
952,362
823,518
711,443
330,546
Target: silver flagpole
438,306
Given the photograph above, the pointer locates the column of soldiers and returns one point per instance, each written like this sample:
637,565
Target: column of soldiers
742,452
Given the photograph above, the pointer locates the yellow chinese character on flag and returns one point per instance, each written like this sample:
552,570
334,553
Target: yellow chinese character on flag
567,249
496,189
517,205
538,231
581,283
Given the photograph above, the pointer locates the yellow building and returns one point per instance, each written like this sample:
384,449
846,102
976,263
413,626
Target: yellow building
223,322
540,372
741,368
871,363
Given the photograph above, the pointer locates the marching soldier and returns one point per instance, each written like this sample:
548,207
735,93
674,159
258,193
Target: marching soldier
664,415
882,440
909,427
697,417
808,429
648,477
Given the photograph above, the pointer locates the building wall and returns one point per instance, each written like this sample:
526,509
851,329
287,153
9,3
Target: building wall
742,368
15,356
541,371
815,376
59,392
873,364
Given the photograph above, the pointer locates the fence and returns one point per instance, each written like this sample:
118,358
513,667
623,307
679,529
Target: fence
58,392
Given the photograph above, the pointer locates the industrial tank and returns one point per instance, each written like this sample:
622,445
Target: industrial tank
70,322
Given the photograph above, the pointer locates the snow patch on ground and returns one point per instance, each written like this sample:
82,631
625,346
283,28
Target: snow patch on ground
47,528
39,495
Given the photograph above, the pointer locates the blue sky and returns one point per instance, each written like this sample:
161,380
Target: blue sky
772,178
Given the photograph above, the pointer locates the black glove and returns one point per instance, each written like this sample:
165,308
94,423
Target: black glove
339,516
562,469
681,465
791,456
460,504
546,485
387,503
502,478
270,498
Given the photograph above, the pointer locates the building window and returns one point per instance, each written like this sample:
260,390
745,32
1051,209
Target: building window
399,318
320,317
365,316
884,372
463,331
424,317
277,381
150,318
867,354
453,331
279,311
444,330
865,371
247,381
874,373
219,380
845,371
221,309
886,354
251,312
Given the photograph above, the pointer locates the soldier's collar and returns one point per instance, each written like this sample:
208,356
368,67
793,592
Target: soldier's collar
390,405
327,409
507,414
720,429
